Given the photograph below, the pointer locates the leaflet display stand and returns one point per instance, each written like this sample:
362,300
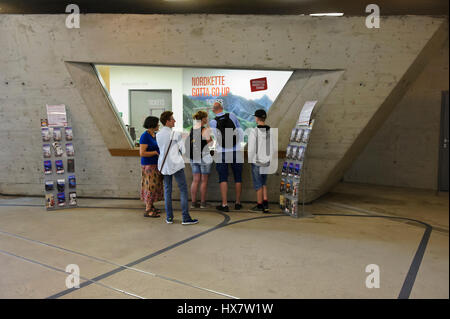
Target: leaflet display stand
59,165
293,174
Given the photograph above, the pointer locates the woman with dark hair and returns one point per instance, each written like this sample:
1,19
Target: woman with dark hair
152,180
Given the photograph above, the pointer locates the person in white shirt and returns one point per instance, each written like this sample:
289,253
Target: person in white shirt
171,163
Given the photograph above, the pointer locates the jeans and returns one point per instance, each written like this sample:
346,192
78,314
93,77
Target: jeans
259,180
180,178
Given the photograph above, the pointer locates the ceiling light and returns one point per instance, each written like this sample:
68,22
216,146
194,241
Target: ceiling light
335,14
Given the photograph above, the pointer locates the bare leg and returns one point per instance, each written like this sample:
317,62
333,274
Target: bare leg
194,187
259,196
203,187
264,191
223,192
238,192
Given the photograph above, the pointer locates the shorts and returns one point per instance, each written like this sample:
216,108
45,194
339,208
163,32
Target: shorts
222,170
259,180
200,168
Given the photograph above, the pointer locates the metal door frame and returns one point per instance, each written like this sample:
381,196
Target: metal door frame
444,98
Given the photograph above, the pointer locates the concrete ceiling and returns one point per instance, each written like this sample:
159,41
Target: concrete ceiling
285,7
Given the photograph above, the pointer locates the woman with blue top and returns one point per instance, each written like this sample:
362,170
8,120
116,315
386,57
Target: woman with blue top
152,180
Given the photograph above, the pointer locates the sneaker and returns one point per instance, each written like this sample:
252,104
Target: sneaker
196,205
190,221
203,205
257,209
169,220
237,206
223,208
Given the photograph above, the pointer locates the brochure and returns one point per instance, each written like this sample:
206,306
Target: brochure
49,201
301,153
288,186
57,134
284,169
293,134
288,151
294,188
61,199
294,152
47,150
72,199
282,183
45,134
47,167
60,184
291,169
44,123
282,202
71,165
293,208
69,149
49,186
69,134
72,181
58,149
305,136
298,137
287,206
59,167
297,170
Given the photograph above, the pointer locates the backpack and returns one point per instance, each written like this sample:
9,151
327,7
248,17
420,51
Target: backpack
224,122
196,148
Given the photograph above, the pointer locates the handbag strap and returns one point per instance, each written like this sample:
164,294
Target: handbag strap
167,152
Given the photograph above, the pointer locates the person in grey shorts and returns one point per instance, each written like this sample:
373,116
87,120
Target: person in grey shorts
200,158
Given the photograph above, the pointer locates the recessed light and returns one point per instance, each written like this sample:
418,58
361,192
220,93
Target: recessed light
334,14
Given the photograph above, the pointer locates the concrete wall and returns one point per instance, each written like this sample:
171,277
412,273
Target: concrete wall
405,151
373,68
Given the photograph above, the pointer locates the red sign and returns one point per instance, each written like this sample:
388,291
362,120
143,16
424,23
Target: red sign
258,84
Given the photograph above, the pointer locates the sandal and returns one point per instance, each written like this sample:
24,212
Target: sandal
156,210
151,213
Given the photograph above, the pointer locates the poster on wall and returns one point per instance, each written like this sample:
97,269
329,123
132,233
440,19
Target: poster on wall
56,115
305,114
202,87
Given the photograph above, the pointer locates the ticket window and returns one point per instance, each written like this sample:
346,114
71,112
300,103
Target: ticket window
143,103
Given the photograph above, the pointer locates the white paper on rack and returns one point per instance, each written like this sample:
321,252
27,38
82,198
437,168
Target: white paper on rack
305,114
56,115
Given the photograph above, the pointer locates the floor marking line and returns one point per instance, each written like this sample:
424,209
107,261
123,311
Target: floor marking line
159,252
63,271
410,278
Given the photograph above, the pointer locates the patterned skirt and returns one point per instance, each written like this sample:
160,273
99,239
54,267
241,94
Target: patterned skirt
151,184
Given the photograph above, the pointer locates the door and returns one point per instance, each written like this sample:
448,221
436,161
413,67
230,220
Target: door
143,103
443,145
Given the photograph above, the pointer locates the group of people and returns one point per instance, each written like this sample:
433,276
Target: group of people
162,159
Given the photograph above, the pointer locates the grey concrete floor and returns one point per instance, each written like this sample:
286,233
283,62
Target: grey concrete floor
121,254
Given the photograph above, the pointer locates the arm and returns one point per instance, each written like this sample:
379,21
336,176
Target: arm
143,151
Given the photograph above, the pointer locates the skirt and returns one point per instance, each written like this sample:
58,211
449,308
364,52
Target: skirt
151,184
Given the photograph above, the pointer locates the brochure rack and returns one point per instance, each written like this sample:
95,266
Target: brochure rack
59,166
293,174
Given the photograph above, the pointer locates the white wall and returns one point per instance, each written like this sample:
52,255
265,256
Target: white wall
124,78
